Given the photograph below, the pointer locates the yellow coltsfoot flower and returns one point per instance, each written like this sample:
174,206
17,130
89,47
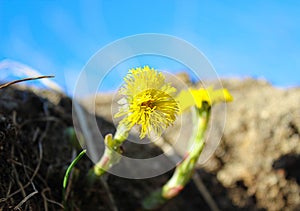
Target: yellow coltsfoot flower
147,101
196,97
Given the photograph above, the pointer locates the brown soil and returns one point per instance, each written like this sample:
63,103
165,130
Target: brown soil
254,168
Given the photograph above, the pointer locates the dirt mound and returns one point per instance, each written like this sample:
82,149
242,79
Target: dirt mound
254,167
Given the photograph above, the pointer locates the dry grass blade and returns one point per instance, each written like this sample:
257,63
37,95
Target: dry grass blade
46,200
24,79
111,199
205,193
25,199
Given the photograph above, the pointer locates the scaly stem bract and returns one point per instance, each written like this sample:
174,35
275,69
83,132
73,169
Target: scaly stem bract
113,151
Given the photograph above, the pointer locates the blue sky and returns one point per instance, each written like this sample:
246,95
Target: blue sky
240,38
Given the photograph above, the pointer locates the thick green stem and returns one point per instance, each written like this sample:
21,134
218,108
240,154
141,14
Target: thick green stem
185,169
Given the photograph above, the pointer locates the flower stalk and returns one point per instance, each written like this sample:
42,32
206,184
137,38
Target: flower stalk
185,169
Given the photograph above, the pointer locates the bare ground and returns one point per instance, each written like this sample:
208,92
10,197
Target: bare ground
256,166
